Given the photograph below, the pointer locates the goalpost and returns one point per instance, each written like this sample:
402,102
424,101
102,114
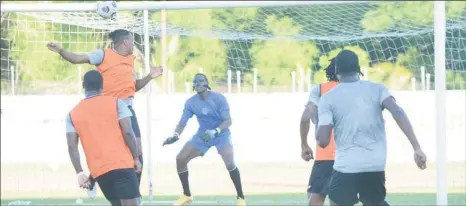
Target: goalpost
82,15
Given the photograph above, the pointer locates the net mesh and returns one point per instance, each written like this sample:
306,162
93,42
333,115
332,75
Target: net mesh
393,40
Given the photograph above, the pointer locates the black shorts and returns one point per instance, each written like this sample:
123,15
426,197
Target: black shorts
119,184
134,123
138,174
344,188
320,177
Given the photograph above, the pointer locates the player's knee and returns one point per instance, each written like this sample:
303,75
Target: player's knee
182,159
230,166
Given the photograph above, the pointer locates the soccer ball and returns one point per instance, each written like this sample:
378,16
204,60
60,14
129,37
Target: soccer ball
107,9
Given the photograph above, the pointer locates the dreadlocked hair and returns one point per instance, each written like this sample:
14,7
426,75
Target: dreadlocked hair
330,72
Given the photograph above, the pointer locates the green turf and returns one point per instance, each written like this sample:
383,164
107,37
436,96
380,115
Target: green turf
269,199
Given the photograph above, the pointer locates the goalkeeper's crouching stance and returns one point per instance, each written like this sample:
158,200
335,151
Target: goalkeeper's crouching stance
213,114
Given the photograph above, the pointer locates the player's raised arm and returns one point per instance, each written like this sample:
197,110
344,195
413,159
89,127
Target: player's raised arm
325,123
388,102
68,55
155,72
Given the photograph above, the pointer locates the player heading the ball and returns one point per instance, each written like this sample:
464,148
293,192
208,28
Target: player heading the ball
116,64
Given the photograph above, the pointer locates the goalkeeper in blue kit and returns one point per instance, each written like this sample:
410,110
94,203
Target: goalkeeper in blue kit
213,114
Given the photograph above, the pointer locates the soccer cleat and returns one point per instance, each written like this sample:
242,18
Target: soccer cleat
92,190
183,200
241,202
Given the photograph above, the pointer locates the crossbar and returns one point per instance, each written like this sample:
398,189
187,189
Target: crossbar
157,5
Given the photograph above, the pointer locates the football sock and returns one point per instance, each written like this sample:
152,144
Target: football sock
184,182
234,174
92,182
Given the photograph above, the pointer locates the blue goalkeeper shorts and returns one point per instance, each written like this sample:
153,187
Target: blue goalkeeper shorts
219,142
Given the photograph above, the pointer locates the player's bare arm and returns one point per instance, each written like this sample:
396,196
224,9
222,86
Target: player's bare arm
73,142
130,139
67,55
305,124
128,135
323,135
155,71
325,122
403,122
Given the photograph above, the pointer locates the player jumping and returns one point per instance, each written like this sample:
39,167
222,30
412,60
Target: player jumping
103,123
213,114
353,110
116,64
323,165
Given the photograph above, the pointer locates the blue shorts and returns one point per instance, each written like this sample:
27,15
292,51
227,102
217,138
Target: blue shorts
219,142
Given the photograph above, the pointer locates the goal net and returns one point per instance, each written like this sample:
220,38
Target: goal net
260,49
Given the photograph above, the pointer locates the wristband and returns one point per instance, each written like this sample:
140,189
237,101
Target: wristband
217,130
176,134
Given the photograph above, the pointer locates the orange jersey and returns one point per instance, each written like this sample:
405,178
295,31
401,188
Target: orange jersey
118,74
96,122
327,153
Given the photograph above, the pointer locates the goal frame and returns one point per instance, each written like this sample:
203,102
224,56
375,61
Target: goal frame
146,6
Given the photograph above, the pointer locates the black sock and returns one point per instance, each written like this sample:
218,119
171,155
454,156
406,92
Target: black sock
185,183
92,182
234,174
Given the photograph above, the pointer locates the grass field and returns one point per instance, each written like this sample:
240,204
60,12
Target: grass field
263,184
269,199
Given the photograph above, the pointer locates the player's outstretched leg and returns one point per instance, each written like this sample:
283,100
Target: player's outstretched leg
227,154
182,159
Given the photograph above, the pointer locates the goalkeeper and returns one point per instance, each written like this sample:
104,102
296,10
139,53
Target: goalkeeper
213,114
325,157
116,64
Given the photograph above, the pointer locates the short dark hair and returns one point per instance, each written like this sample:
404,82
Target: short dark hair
330,71
93,81
347,62
118,35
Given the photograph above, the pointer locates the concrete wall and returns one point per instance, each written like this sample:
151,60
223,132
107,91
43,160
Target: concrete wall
265,127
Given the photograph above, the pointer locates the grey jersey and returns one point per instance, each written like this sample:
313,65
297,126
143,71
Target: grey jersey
355,111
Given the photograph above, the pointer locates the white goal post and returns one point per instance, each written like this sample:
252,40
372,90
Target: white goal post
440,59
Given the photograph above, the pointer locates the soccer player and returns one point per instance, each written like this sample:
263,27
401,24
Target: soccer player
353,110
213,114
116,64
323,165
103,124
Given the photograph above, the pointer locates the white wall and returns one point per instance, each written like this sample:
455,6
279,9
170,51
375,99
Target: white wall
265,126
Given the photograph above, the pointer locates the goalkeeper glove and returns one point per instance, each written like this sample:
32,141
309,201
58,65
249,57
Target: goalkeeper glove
172,139
210,134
